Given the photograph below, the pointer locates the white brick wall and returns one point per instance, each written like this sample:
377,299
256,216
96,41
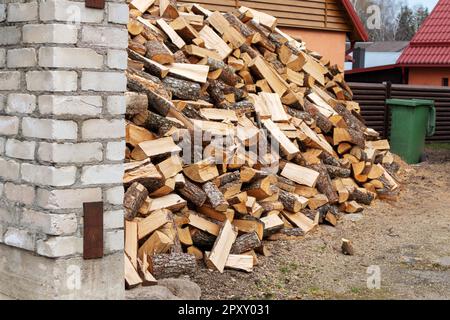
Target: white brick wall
20,103
9,125
20,149
103,81
9,169
111,129
118,13
102,174
51,80
9,35
59,246
113,219
114,241
115,195
49,129
54,57
21,58
18,12
52,224
49,33
117,59
9,80
2,58
115,151
2,145
2,12
70,105
68,198
116,105
62,10
19,238
70,152
105,37
19,193
49,176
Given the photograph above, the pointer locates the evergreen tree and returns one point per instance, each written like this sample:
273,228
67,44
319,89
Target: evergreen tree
406,24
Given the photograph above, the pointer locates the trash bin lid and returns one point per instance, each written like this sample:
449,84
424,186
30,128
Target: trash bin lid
410,102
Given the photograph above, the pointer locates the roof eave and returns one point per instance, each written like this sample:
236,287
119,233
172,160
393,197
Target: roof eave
360,32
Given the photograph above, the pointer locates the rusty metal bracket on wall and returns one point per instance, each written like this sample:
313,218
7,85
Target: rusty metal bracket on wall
96,4
93,230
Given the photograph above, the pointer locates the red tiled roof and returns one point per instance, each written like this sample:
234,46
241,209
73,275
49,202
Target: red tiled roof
431,45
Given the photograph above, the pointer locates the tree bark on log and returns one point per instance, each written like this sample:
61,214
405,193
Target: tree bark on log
249,34
245,242
193,193
158,52
182,89
290,201
226,178
324,184
351,121
272,206
149,65
133,200
202,239
322,122
172,265
361,195
135,103
215,197
338,172
302,115
154,122
228,74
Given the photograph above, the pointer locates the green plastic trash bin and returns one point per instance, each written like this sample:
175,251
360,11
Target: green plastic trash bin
412,121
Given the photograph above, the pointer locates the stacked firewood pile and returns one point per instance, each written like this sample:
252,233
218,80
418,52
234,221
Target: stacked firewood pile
236,133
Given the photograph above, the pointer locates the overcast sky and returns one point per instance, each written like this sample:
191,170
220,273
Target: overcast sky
429,3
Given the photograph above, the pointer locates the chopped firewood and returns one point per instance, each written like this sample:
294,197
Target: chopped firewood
261,189
135,103
215,197
317,201
300,175
221,249
152,148
247,226
170,167
351,207
202,171
347,247
272,224
158,52
158,242
153,222
215,42
292,202
196,252
288,148
300,220
135,134
131,242
185,236
172,265
133,199
246,242
132,278
193,193
203,224
172,202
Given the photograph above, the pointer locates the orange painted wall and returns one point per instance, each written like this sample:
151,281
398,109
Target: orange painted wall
331,44
428,76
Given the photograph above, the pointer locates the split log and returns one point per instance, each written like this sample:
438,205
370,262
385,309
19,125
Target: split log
337,172
155,123
158,52
324,184
193,193
292,202
221,249
215,197
146,174
347,247
245,242
135,103
168,9
361,195
133,199
151,66
182,89
202,239
227,178
172,265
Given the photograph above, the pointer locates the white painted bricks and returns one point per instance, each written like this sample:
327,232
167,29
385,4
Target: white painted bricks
49,33
19,238
49,129
67,198
20,103
9,80
54,57
20,149
71,152
21,58
118,13
2,58
111,129
49,176
9,169
103,81
102,174
116,105
114,241
115,151
59,246
52,224
9,35
117,59
2,12
19,193
51,80
70,105
105,37
18,12
115,195
9,125
113,219
61,10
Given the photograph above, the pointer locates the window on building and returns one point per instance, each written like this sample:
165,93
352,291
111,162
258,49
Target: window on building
445,82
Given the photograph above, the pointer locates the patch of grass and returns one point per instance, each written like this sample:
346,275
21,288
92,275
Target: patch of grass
355,290
438,146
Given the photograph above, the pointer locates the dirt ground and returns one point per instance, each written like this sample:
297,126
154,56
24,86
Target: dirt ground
409,240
